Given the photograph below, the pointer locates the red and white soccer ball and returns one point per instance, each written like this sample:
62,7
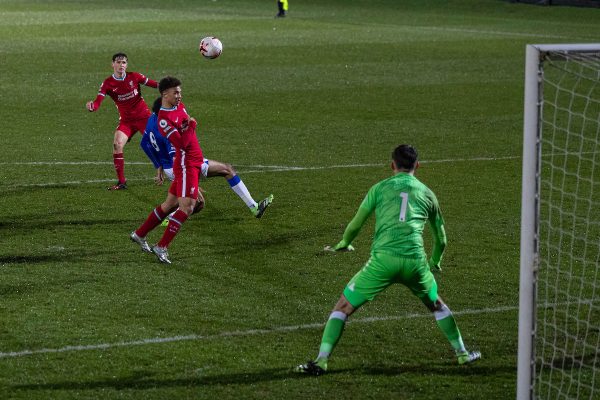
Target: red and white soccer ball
210,47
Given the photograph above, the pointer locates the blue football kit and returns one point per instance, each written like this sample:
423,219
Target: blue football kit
157,147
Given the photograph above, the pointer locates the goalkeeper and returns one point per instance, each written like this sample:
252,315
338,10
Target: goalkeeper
402,206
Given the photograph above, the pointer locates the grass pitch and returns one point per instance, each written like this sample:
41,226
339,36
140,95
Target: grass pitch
309,108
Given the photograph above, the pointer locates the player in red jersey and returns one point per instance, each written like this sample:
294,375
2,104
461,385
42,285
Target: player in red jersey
124,89
184,194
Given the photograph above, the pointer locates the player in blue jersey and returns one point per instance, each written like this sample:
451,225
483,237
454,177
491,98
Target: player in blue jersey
159,150
157,147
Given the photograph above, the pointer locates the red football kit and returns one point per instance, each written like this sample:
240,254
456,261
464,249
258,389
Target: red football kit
176,125
127,95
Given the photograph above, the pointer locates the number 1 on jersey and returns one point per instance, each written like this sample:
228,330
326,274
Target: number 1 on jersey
403,206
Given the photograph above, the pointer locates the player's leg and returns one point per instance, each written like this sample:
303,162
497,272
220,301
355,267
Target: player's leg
121,137
214,168
331,335
168,172
424,286
185,187
371,280
154,219
217,168
282,6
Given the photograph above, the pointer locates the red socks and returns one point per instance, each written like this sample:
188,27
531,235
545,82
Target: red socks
174,225
154,219
119,162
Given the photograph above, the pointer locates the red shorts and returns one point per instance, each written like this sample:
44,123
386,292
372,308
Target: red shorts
129,128
186,182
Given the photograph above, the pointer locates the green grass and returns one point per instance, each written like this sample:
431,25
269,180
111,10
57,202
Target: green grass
330,90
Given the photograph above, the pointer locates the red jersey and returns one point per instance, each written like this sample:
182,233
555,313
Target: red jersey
175,124
127,95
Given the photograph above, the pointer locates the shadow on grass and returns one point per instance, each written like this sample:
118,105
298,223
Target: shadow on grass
438,369
48,258
143,381
42,222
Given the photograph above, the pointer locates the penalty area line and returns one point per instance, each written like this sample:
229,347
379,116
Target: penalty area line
244,333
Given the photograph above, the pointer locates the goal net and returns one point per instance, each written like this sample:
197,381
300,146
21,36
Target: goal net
559,302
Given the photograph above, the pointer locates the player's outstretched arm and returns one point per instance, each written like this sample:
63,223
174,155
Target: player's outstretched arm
352,230
151,83
95,104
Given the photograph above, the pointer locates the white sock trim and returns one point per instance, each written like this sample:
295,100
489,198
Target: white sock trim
443,313
338,315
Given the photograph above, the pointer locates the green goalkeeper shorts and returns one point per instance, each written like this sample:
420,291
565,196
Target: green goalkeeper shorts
382,270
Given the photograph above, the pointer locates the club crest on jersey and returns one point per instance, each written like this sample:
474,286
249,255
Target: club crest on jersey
131,83
163,123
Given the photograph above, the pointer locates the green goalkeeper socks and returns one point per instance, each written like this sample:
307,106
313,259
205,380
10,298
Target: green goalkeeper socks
447,324
331,334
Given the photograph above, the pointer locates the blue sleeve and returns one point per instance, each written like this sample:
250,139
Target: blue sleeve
149,150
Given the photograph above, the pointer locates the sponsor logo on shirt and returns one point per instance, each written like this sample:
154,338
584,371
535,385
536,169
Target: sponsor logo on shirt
127,96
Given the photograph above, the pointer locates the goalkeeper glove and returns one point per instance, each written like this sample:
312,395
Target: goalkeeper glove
341,246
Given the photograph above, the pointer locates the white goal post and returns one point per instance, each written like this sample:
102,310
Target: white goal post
559,305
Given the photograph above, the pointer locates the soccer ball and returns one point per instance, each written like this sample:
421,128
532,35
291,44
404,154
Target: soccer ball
210,47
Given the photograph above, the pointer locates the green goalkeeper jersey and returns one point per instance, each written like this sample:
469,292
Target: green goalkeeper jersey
402,206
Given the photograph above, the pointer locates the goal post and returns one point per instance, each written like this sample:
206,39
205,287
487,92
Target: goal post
559,290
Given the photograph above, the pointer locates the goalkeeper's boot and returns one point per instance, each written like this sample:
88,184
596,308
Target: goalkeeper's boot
261,207
118,186
162,254
314,368
141,241
468,357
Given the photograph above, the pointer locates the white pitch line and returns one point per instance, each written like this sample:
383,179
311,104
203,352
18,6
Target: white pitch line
283,168
49,184
257,168
254,332
277,167
42,163
249,332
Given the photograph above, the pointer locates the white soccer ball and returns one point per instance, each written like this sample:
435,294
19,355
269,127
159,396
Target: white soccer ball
211,47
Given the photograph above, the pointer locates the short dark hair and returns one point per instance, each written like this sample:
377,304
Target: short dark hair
168,82
119,55
156,105
405,157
